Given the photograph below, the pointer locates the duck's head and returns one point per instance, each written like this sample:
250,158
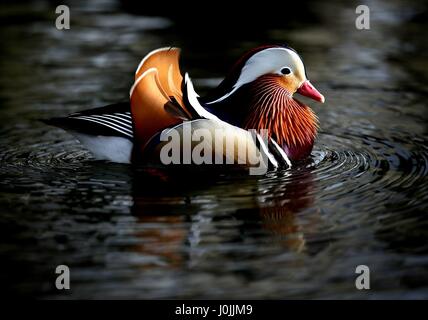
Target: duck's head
280,63
261,86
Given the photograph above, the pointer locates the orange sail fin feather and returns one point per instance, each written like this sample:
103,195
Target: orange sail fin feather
155,95
166,61
297,126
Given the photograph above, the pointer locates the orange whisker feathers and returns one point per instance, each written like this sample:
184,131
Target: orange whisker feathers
286,119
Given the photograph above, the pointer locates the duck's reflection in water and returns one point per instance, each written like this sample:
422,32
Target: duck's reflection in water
285,208
185,218
165,244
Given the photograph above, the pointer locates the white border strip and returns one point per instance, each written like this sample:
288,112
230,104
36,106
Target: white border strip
152,53
140,78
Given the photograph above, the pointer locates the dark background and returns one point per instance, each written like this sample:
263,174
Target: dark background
361,198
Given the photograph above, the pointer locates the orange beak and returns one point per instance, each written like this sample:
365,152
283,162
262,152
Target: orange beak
308,90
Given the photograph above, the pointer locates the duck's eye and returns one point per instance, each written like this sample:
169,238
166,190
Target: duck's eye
285,70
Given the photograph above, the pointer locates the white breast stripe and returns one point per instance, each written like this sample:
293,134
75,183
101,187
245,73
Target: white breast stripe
264,149
282,152
192,97
109,125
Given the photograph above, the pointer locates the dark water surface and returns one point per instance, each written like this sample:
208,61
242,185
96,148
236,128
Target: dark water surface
361,199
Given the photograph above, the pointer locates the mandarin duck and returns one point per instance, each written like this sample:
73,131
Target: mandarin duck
257,94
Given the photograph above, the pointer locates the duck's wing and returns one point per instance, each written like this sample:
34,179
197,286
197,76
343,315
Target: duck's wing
222,143
107,131
279,153
112,120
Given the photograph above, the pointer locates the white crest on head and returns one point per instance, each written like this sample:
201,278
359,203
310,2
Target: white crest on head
270,60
